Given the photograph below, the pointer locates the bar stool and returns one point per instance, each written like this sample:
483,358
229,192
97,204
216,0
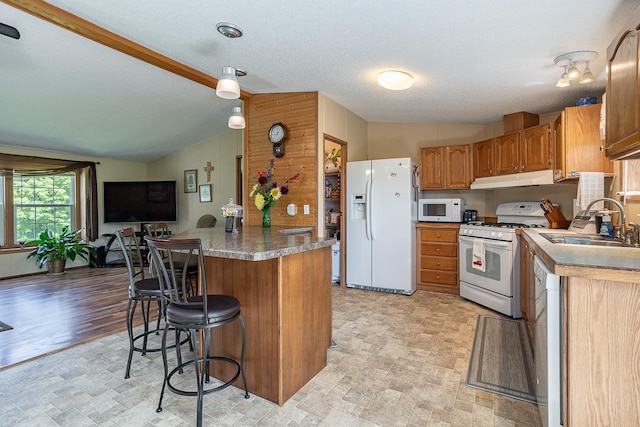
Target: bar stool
146,291
199,314
160,230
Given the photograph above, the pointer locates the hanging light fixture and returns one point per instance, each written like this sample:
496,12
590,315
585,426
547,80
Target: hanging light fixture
564,79
395,80
570,63
228,87
587,75
236,119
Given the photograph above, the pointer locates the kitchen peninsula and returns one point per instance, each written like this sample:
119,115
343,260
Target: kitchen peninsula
282,278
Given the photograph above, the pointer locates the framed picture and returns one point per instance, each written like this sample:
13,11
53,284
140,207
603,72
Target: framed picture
205,193
191,181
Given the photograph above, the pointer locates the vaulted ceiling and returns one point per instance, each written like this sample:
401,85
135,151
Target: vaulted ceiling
473,62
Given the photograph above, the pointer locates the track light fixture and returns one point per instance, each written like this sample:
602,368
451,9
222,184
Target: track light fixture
228,87
570,63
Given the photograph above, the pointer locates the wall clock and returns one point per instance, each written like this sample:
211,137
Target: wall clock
277,135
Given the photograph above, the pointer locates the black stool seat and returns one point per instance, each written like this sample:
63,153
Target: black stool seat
147,287
219,309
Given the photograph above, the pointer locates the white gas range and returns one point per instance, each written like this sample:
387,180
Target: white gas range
489,257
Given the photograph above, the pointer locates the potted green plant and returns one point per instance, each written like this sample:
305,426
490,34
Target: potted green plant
56,249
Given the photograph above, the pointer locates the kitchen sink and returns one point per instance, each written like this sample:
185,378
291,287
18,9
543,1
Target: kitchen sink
578,239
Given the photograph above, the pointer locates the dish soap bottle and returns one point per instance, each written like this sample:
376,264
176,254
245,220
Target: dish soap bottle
606,229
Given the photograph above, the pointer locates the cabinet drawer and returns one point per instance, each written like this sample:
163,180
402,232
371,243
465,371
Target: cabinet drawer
439,249
436,276
449,236
439,263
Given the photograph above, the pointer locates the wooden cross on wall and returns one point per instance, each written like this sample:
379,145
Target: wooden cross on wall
208,169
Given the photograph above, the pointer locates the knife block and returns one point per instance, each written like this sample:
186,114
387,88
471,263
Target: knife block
556,219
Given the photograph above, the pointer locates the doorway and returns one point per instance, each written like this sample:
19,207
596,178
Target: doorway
335,155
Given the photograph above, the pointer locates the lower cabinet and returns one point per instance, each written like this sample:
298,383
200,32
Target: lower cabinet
437,257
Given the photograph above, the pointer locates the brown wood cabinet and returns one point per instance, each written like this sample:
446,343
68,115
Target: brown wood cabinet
526,151
576,141
507,154
623,96
437,257
484,158
445,167
535,148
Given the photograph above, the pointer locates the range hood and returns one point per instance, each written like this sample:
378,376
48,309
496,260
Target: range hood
544,177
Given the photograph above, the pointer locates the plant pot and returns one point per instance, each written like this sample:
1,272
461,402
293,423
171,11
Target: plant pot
56,266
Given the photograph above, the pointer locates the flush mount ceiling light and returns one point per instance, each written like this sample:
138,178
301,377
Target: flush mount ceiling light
395,80
228,87
570,62
236,119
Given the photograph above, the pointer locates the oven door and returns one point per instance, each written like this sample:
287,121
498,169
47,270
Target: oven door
498,265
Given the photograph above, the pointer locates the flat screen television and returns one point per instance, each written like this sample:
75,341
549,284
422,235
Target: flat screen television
140,201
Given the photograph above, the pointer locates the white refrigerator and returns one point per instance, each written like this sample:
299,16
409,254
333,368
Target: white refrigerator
380,225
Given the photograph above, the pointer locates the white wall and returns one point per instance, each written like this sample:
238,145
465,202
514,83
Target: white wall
221,151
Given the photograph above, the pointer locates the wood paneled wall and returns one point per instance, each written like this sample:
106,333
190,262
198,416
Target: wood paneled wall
299,113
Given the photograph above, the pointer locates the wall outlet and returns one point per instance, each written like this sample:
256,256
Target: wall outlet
306,209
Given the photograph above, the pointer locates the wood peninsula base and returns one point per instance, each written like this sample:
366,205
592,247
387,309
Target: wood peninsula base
286,306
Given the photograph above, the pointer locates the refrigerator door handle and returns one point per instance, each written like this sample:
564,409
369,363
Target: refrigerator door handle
370,213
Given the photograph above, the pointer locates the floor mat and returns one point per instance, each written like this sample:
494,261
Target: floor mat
501,359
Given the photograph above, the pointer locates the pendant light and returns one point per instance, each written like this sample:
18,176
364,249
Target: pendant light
236,119
228,87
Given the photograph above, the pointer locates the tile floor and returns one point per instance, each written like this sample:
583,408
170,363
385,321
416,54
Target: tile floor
400,361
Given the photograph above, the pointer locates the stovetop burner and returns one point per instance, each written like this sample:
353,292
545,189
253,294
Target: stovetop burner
507,225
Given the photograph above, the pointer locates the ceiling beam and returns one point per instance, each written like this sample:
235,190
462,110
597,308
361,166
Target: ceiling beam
82,27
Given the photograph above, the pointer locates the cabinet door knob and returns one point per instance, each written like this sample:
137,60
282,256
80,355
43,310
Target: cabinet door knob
438,277
438,263
437,249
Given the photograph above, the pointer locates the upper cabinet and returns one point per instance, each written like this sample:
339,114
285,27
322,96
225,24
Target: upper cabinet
535,148
623,96
524,151
507,158
483,158
445,167
576,136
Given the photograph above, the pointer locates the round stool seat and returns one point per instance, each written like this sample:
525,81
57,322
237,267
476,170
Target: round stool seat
220,308
147,288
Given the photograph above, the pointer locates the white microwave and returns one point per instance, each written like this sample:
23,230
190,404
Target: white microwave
440,210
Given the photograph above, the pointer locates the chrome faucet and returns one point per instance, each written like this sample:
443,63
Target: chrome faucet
623,219
635,241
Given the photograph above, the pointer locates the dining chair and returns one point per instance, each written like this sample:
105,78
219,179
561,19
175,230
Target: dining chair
199,314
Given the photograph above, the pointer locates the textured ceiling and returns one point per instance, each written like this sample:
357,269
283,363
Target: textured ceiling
473,62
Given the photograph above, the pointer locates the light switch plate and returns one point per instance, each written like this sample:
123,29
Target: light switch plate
306,209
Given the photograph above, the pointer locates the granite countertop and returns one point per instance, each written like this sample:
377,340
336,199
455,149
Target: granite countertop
255,243
582,260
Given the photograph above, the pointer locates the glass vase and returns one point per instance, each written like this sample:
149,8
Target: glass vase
266,216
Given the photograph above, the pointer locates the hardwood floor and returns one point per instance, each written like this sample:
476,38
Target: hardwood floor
51,313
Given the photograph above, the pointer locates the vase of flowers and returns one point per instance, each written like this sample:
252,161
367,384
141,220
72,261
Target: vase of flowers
266,191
